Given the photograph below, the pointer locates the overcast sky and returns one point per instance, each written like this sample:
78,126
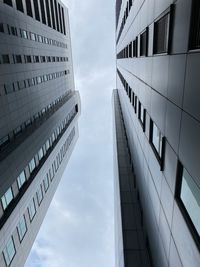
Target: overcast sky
82,208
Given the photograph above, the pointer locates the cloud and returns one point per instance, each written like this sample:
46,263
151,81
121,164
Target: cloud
78,230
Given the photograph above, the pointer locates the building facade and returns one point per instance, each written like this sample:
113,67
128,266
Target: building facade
158,60
39,110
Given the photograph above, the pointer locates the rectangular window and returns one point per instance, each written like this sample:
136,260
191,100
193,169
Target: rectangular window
130,50
188,196
9,251
48,13
21,85
13,31
42,11
1,27
9,88
59,10
29,8
28,59
19,5
52,14
5,59
135,107
40,154
31,82
36,7
22,228
63,19
39,195
17,59
142,115
144,43
21,179
8,2
46,183
7,198
31,210
32,36
24,34
161,35
56,11
32,165
195,26
157,142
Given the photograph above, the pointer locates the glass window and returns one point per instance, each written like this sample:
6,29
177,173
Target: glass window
18,59
157,139
46,183
9,88
190,197
142,115
9,251
8,2
21,179
47,144
1,27
32,165
7,198
32,35
143,43
161,35
32,209
5,59
21,85
24,34
39,195
29,8
19,5
22,228
40,154
36,7
43,11
195,25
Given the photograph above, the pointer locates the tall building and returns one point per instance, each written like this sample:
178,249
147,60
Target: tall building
39,109
158,62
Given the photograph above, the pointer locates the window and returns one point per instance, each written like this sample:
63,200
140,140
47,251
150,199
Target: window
195,26
39,80
8,2
157,142
31,82
22,228
36,7
7,198
19,5
28,59
32,36
130,49
9,88
29,8
1,27
32,210
17,59
21,85
40,154
59,10
135,107
4,141
144,43
24,34
142,115
63,18
32,165
56,11
46,183
39,195
9,251
42,11
47,144
48,13
13,31
161,35
21,179
5,59
188,197
52,15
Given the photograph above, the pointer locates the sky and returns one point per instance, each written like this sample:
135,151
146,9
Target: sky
82,208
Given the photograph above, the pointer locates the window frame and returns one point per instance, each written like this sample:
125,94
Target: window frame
7,204
185,213
160,157
10,260
31,219
22,237
146,33
142,120
42,194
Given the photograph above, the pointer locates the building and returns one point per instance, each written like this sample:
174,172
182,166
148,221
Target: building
158,62
39,110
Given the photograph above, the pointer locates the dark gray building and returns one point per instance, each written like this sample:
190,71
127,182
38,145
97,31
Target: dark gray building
39,110
158,62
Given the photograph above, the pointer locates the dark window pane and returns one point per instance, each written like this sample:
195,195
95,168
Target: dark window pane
48,13
59,9
36,7
19,5
161,35
1,27
56,10
29,8
63,18
143,44
43,11
5,59
8,2
195,26
52,15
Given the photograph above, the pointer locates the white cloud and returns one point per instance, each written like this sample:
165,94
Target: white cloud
78,229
